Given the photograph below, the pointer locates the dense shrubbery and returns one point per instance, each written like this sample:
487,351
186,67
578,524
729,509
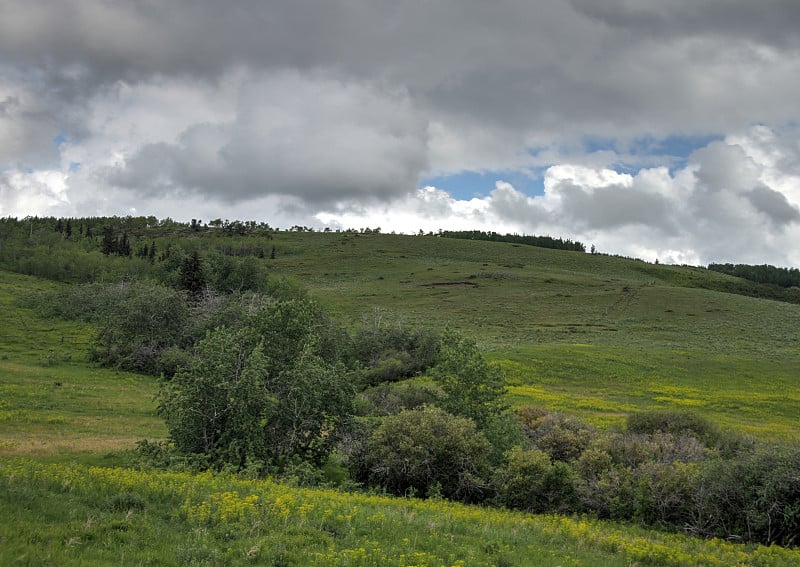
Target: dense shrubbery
390,351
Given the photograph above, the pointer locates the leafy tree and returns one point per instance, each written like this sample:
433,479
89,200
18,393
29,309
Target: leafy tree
427,450
265,393
137,322
472,387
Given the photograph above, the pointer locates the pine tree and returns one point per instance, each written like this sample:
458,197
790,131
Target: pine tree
109,242
192,277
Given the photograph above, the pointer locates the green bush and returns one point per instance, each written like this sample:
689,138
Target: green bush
416,450
676,422
531,481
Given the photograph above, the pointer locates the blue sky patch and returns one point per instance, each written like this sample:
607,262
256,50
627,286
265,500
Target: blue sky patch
470,184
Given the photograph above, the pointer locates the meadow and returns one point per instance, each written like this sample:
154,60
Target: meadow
595,336
592,336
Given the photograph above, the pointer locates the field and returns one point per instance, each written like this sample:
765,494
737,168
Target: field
596,336
592,336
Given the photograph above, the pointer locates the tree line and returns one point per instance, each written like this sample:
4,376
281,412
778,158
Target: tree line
763,274
530,240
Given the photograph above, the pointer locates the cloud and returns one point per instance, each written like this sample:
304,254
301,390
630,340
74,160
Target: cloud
774,205
332,112
719,207
313,137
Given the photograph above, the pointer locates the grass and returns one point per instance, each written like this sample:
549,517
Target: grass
76,515
53,404
592,336
595,336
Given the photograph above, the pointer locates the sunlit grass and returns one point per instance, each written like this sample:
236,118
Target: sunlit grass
75,515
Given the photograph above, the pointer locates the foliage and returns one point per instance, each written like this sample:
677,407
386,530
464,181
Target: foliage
268,392
541,241
764,274
425,450
138,322
391,398
391,351
230,274
472,387
561,437
531,481
755,497
675,422
192,276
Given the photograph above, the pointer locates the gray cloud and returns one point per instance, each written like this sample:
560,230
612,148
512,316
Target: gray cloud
304,108
613,207
774,205
317,138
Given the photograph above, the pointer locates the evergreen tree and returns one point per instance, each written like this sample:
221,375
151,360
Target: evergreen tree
192,277
109,242
124,246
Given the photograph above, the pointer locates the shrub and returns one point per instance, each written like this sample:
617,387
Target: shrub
389,399
755,497
563,438
531,481
414,450
676,422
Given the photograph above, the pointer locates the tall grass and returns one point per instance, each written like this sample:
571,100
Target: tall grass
76,515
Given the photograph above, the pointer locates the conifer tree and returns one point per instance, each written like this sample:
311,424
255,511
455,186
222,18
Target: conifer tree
192,278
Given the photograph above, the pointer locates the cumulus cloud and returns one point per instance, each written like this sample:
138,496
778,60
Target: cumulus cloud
719,207
331,113
313,137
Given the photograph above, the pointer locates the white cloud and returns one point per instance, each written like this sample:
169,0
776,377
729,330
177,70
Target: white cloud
298,116
720,207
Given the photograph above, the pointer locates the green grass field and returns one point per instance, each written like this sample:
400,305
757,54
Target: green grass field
592,336
596,336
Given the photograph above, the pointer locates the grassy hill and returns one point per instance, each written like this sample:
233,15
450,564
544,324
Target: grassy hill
594,336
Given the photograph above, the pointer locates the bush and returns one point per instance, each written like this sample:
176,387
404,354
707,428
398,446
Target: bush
563,438
676,422
416,450
531,481
389,399
389,351
755,497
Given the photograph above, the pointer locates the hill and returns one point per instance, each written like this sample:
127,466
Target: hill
593,336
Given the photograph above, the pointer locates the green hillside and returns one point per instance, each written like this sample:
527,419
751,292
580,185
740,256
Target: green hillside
592,336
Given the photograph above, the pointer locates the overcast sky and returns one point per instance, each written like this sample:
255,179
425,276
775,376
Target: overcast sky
665,129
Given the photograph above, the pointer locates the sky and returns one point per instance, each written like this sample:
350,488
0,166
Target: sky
656,129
